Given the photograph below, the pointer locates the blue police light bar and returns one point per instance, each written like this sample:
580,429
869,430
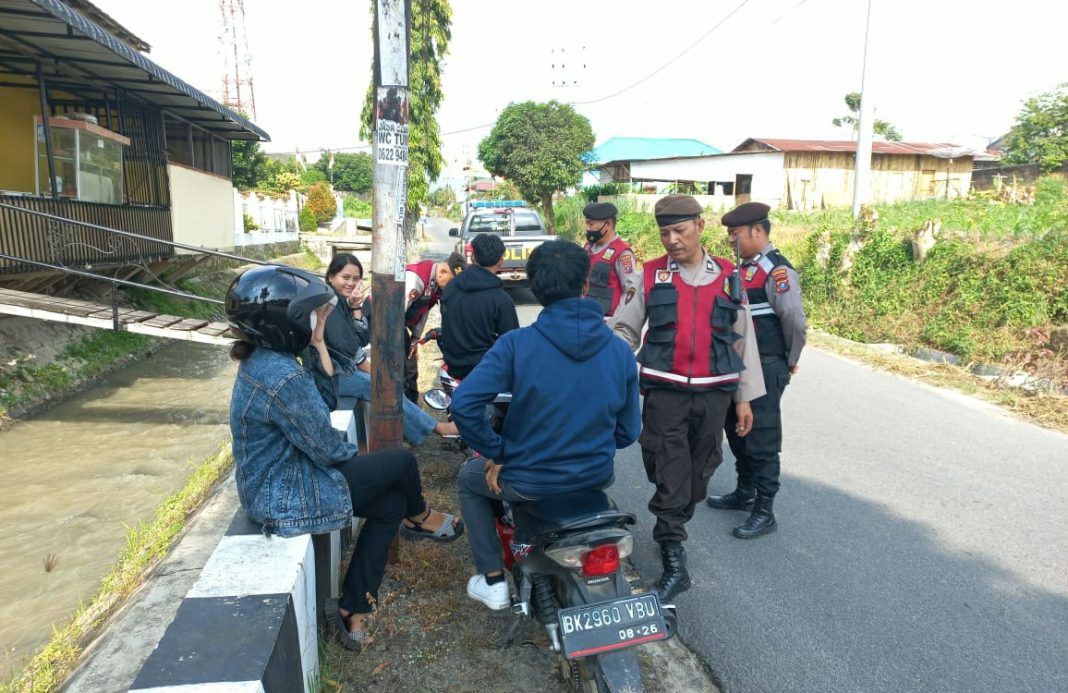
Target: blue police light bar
498,203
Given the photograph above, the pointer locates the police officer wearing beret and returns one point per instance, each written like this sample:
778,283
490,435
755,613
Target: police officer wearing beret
698,361
774,293
614,274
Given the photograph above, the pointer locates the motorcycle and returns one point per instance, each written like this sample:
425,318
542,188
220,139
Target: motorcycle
565,556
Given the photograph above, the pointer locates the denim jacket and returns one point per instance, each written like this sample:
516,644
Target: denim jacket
285,448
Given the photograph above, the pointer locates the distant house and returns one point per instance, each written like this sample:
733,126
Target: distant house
91,130
612,159
813,174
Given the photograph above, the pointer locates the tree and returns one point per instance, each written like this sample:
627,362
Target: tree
880,128
321,202
250,165
351,172
541,148
431,31
1040,134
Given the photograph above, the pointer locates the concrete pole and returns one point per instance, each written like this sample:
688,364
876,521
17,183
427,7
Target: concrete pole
862,172
390,184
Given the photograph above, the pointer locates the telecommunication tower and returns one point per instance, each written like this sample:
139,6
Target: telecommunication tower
237,91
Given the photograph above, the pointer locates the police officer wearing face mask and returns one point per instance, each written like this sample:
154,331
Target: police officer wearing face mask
614,274
774,292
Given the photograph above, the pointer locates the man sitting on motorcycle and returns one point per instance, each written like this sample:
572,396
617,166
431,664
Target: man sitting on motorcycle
574,403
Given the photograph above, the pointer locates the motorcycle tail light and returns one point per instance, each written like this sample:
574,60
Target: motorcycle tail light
576,556
604,560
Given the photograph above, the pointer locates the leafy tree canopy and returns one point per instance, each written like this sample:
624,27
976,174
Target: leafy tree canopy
250,164
540,147
350,172
880,128
1040,134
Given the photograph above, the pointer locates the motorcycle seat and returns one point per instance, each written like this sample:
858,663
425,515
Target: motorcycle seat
568,512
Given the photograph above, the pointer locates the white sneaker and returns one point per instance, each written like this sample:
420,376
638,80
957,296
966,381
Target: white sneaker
494,596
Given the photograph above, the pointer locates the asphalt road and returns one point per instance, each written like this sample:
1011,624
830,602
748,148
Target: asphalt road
922,546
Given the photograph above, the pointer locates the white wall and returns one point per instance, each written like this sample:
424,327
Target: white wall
202,207
276,218
765,167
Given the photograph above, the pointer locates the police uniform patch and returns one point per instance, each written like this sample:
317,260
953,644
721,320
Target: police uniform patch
750,271
609,254
663,277
626,261
781,279
413,294
629,295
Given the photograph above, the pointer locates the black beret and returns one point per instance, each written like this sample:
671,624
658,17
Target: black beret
675,208
744,215
600,210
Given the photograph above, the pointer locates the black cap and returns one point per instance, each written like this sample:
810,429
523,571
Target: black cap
744,215
675,208
600,210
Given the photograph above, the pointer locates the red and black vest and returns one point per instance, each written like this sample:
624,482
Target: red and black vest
420,305
690,341
755,275
605,286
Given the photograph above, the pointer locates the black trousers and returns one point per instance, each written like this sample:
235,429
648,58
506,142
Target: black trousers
385,488
757,454
411,369
681,437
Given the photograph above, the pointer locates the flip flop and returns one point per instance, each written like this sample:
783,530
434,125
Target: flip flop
350,640
450,530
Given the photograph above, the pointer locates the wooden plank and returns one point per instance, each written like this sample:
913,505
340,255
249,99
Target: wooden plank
188,324
215,329
162,321
130,314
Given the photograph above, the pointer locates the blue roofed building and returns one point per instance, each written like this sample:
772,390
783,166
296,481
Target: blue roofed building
611,159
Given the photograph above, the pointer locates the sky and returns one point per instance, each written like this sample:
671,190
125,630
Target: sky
719,71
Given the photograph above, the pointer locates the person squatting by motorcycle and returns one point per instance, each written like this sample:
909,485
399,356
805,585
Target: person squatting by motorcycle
424,283
614,275
557,437
774,292
339,363
294,473
698,359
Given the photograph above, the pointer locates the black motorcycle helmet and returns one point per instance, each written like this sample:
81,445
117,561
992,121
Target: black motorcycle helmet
270,306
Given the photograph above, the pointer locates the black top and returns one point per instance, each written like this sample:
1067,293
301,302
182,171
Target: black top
475,311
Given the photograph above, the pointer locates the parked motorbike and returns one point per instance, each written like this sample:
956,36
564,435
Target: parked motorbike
440,398
565,555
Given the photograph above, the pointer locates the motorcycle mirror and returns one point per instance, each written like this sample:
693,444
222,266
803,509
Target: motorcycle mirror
437,399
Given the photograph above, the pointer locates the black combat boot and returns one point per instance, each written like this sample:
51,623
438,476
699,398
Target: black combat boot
675,578
740,498
760,521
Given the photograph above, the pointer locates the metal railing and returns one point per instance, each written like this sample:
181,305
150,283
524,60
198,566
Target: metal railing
59,239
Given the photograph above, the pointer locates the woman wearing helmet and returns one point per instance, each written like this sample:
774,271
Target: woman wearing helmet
339,364
294,473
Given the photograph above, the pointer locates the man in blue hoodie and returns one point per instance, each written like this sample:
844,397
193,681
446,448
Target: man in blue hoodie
574,403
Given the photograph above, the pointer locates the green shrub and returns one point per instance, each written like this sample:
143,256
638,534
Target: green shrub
306,219
250,223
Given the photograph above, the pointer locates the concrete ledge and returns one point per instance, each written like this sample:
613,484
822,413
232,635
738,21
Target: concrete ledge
251,620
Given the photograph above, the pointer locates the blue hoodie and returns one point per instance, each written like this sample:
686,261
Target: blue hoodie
574,388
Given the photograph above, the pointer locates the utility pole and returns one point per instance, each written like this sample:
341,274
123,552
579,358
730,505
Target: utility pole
390,183
862,172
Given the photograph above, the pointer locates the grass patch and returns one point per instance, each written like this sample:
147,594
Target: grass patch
1046,409
146,544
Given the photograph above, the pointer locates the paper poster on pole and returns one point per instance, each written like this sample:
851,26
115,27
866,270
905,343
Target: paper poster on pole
402,245
391,130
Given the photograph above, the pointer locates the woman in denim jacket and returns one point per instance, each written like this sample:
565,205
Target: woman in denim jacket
340,366
294,473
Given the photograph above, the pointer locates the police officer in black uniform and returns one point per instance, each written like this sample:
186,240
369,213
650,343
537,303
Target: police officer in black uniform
774,293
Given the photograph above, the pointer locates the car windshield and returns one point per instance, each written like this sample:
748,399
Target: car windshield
527,221
490,223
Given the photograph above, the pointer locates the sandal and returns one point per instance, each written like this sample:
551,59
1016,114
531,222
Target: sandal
350,640
450,529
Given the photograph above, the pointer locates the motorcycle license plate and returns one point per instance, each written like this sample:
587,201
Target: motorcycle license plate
611,625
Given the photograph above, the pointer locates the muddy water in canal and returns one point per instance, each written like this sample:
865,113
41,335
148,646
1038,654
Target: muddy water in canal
73,478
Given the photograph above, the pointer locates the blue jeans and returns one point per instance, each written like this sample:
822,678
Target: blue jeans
417,423
476,506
